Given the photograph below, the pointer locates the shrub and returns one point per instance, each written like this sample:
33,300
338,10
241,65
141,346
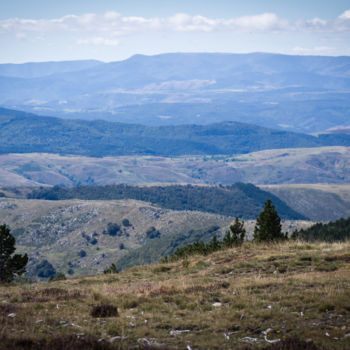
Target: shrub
104,310
126,223
82,253
111,269
236,235
152,233
112,229
45,270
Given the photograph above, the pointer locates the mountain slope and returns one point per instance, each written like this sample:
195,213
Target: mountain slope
319,202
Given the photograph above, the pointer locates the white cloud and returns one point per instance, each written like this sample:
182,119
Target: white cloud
345,15
98,41
317,50
112,24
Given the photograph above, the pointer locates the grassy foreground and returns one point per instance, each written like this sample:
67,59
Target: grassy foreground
238,298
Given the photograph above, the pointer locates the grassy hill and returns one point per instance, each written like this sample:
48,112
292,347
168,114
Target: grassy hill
319,202
58,231
244,298
26,133
279,166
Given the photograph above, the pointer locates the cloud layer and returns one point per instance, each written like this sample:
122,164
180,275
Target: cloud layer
105,29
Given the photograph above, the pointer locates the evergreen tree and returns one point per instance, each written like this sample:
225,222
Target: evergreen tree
10,265
268,225
236,234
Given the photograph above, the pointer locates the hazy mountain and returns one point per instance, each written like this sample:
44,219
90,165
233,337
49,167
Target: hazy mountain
304,93
42,69
27,133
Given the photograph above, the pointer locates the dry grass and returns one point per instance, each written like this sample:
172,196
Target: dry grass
224,300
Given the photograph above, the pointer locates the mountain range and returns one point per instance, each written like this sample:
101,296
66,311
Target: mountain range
299,93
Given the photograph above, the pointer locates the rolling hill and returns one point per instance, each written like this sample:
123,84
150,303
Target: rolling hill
279,166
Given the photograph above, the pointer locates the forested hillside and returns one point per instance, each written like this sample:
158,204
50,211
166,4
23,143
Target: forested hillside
26,133
331,232
244,200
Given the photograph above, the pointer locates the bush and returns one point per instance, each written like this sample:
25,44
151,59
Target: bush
45,270
82,253
104,310
112,229
152,233
126,223
111,269
236,235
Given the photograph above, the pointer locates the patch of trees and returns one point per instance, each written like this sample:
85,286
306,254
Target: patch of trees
331,232
233,237
242,200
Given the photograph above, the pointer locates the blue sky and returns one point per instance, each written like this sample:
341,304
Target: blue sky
37,30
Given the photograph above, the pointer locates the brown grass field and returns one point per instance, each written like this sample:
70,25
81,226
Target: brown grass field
251,297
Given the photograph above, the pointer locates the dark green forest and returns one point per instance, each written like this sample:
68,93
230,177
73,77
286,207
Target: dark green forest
25,133
242,200
331,232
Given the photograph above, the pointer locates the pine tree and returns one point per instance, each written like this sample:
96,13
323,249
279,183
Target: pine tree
10,265
236,234
268,225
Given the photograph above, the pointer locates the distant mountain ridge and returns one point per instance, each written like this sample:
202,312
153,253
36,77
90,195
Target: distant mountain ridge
43,69
300,93
25,133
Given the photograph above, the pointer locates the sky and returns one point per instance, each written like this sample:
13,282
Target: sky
107,30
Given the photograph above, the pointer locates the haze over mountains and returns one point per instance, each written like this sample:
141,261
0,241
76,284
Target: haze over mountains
300,93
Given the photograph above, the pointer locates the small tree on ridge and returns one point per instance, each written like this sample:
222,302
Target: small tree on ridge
268,225
10,265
